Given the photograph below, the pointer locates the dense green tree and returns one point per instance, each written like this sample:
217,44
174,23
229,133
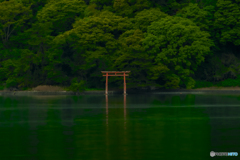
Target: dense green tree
102,3
39,40
197,15
93,41
123,8
131,57
19,38
219,66
178,45
170,7
18,72
204,18
224,30
91,10
227,20
202,14
205,3
130,7
144,18
57,16
69,42
62,14
139,5
200,3
12,15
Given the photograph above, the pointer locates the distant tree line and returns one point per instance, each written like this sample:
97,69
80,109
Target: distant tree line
165,43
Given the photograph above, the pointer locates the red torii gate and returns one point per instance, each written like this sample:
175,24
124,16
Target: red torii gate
115,73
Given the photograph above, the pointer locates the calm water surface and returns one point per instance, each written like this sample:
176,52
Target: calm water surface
117,127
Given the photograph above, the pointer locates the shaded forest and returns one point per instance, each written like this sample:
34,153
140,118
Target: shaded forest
164,43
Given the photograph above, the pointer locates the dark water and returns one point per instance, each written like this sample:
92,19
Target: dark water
134,127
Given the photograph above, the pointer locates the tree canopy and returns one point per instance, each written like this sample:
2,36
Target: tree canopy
169,44
178,46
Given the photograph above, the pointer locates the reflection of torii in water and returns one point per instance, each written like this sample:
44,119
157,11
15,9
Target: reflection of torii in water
124,106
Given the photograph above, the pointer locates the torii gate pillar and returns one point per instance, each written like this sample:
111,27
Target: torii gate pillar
116,73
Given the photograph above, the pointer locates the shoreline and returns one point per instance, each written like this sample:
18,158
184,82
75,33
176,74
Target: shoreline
129,91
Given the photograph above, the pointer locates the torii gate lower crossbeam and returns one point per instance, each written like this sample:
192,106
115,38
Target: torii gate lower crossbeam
115,73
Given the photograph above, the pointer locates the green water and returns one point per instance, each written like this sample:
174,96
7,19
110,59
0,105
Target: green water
114,127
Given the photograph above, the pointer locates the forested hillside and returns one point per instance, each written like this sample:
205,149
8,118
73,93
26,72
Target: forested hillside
165,43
